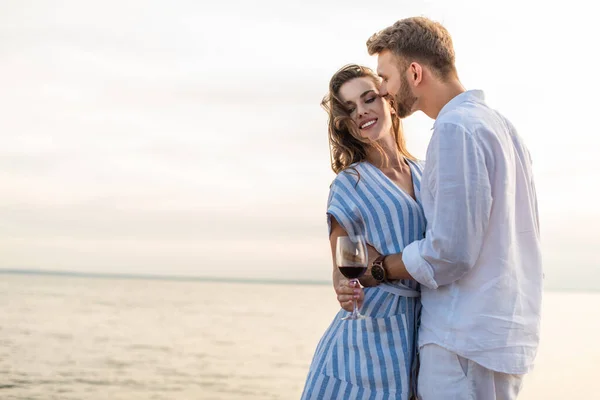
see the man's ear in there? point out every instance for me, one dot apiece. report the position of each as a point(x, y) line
point(415, 71)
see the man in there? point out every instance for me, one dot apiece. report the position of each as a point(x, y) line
point(479, 264)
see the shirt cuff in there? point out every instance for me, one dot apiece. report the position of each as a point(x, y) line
point(417, 267)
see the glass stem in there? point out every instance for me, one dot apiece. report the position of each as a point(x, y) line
point(355, 309)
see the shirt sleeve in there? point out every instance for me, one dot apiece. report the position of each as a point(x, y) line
point(457, 220)
point(341, 206)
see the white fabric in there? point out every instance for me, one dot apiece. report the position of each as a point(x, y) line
point(445, 375)
point(480, 262)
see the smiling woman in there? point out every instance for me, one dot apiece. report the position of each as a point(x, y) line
point(357, 118)
point(375, 195)
point(365, 108)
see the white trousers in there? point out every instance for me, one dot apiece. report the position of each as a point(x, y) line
point(444, 375)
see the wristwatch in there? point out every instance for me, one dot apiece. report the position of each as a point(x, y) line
point(378, 270)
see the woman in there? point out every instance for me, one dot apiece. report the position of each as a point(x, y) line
point(375, 193)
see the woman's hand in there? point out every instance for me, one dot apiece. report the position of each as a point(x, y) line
point(347, 291)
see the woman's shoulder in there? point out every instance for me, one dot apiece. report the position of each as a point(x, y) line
point(351, 174)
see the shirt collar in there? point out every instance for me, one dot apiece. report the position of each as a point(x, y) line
point(469, 95)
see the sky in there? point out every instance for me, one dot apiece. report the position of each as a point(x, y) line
point(186, 138)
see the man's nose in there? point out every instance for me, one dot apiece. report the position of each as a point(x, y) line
point(383, 90)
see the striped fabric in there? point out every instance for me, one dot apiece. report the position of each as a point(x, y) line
point(372, 358)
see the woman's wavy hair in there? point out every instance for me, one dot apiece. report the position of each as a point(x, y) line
point(346, 145)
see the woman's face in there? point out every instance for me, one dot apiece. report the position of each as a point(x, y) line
point(371, 113)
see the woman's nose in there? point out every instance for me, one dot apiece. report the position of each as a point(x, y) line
point(362, 111)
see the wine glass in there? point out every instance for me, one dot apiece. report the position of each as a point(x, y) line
point(351, 259)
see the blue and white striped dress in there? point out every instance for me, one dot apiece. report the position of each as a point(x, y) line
point(372, 358)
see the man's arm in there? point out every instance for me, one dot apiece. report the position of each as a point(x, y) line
point(458, 219)
point(393, 264)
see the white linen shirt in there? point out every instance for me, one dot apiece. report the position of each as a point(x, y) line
point(480, 262)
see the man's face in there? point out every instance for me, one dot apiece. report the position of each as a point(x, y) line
point(395, 83)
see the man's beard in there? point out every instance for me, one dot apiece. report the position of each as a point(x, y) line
point(404, 100)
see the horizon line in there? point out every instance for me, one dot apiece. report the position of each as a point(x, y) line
point(180, 278)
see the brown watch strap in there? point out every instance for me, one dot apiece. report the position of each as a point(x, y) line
point(379, 260)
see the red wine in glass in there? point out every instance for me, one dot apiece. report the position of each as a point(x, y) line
point(352, 271)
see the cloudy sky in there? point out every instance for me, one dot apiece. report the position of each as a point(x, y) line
point(186, 137)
